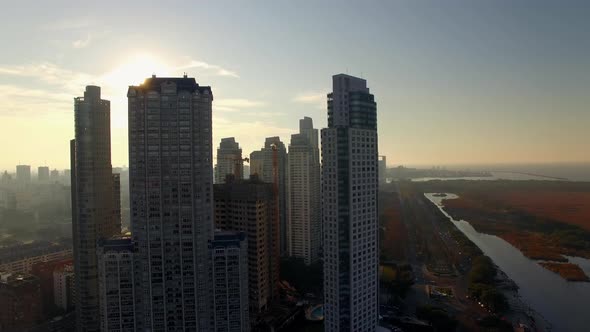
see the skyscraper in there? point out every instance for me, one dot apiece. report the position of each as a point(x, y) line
point(229, 264)
point(43, 174)
point(229, 160)
point(92, 199)
point(303, 199)
point(23, 174)
point(171, 198)
point(54, 176)
point(349, 207)
point(262, 163)
point(249, 206)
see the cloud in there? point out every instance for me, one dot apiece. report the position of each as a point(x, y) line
point(315, 98)
point(75, 23)
point(19, 101)
point(65, 80)
point(220, 71)
point(237, 103)
point(82, 43)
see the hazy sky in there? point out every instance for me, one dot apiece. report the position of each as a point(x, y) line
point(455, 81)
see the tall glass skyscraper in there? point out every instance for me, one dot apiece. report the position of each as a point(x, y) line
point(171, 193)
point(94, 206)
point(349, 207)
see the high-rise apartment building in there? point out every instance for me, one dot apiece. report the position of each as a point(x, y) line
point(64, 284)
point(249, 206)
point(92, 199)
point(171, 199)
point(256, 163)
point(43, 174)
point(23, 174)
point(54, 175)
point(303, 199)
point(116, 285)
point(229, 266)
point(349, 207)
point(270, 164)
point(229, 160)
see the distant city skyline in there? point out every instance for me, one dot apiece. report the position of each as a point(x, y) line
point(457, 83)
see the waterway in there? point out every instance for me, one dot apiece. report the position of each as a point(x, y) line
point(494, 176)
point(566, 305)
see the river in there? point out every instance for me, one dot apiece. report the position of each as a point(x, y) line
point(566, 305)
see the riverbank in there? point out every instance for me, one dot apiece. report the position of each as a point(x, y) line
point(550, 301)
point(569, 271)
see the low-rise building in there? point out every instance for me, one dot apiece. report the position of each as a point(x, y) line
point(21, 258)
point(20, 302)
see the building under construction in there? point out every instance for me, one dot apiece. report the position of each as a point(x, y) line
point(250, 206)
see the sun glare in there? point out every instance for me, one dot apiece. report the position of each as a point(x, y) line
point(135, 70)
point(132, 71)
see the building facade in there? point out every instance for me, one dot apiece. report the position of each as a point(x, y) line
point(171, 199)
point(116, 285)
point(229, 160)
point(64, 285)
point(93, 215)
point(303, 199)
point(229, 265)
point(250, 206)
point(349, 207)
point(20, 302)
point(270, 164)
point(21, 258)
point(23, 174)
point(43, 174)
point(382, 169)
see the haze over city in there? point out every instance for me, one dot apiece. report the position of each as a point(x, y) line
point(295, 166)
point(456, 82)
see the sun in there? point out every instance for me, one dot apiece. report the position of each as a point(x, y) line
point(132, 71)
point(136, 69)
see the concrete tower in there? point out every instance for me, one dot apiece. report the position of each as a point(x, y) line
point(303, 199)
point(171, 198)
point(93, 213)
point(349, 207)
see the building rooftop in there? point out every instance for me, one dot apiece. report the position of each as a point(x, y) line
point(182, 84)
point(117, 244)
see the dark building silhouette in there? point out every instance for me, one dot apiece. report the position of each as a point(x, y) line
point(262, 163)
point(171, 198)
point(250, 206)
point(229, 267)
point(93, 210)
point(20, 302)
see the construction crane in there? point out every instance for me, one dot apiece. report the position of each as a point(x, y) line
point(237, 162)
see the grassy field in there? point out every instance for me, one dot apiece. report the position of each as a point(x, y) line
point(545, 220)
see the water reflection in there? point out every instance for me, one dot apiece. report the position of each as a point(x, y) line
point(564, 304)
